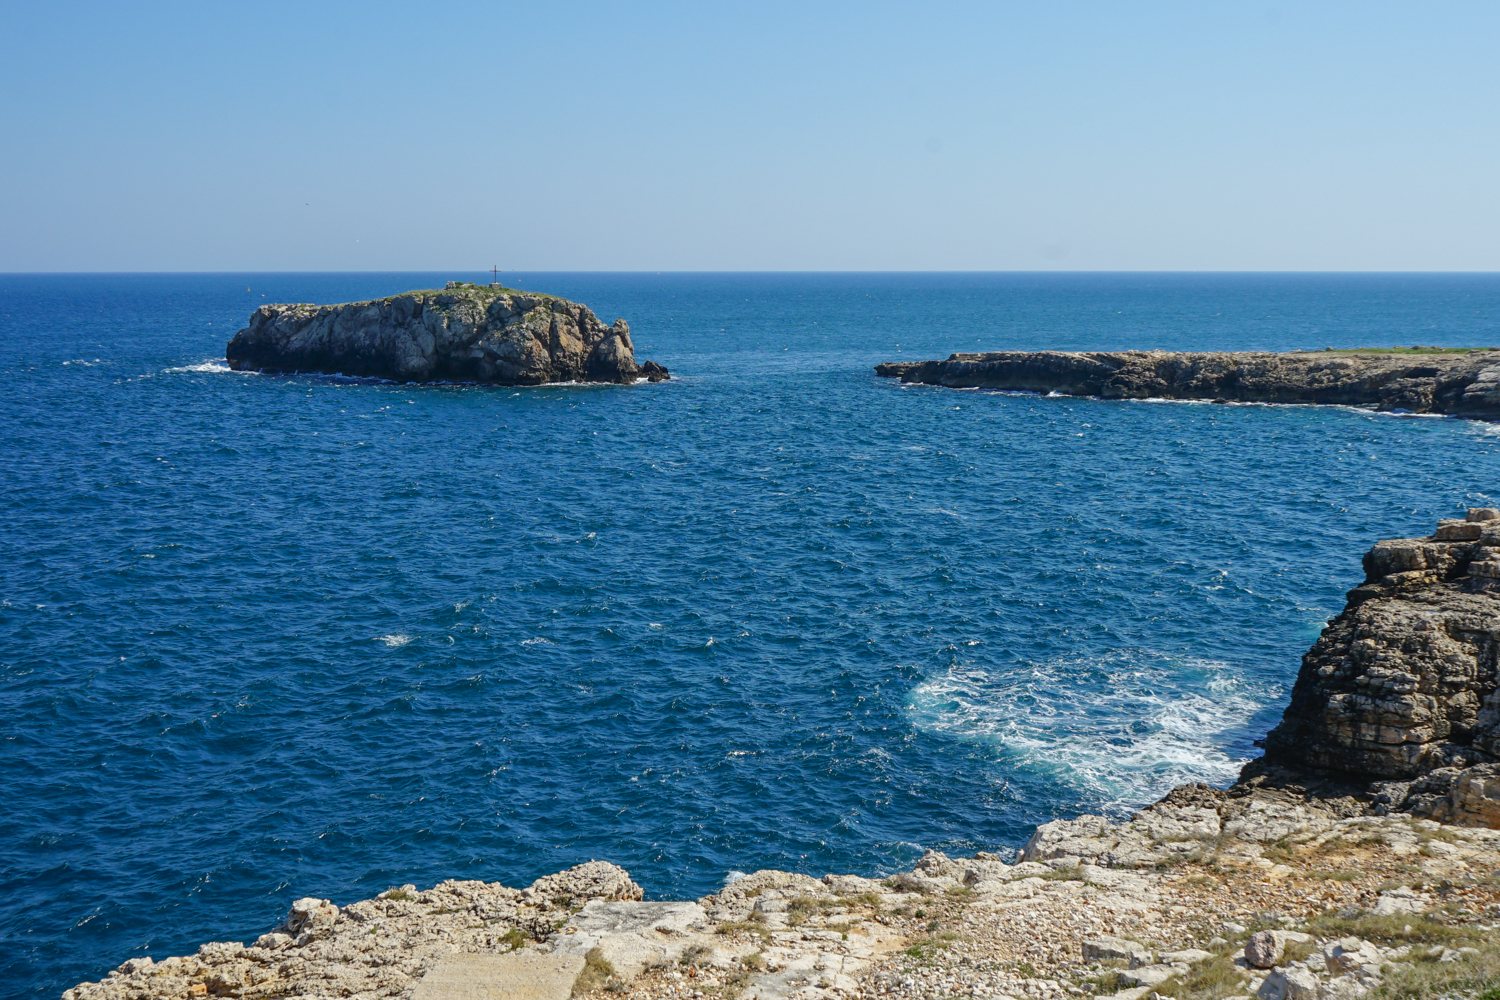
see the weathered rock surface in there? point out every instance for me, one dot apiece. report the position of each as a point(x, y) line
point(464, 333)
point(1466, 385)
point(631, 936)
point(976, 927)
point(1403, 687)
point(375, 947)
point(523, 975)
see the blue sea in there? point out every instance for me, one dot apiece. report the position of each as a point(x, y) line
point(264, 637)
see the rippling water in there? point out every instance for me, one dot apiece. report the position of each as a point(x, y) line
point(266, 637)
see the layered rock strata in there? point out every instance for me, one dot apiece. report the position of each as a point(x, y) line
point(464, 333)
point(1403, 687)
point(1466, 385)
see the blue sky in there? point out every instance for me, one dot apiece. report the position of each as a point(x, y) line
point(763, 136)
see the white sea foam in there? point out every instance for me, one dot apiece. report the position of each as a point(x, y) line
point(1121, 729)
point(395, 640)
point(538, 641)
point(213, 366)
point(1346, 408)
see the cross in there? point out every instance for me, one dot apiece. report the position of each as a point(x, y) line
point(495, 274)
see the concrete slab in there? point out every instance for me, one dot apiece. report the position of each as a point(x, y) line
point(519, 975)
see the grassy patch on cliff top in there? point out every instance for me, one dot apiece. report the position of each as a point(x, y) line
point(1473, 975)
point(1413, 349)
point(471, 289)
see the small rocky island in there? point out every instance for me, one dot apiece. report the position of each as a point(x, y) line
point(1360, 857)
point(463, 333)
point(1462, 383)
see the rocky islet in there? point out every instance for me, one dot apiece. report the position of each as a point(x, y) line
point(1464, 384)
point(463, 333)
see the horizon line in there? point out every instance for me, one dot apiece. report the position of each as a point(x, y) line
point(767, 271)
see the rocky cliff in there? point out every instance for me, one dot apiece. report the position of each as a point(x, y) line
point(464, 333)
point(1403, 687)
point(1462, 384)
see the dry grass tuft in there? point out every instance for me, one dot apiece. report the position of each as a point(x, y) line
point(597, 974)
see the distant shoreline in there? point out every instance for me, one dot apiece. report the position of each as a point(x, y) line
point(1460, 382)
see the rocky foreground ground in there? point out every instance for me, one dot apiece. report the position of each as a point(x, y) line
point(1323, 874)
point(1462, 384)
point(1282, 900)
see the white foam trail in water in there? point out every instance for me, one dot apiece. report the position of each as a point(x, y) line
point(1122, 728)
point(210, 366)
point(394, 640)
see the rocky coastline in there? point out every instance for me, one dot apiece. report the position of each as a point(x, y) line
point(1359, 857)
point(463, 333)
point(1458, 384)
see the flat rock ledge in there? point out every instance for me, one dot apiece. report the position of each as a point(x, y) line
point(463, 333)
point(1460, 384)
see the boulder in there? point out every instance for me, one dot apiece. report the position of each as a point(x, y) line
point(985, 871)
point(1352, 955)
point(1291, 983)
point(1399, 900)
point(853, 885)
point(1116, 949)
point(591, 880)
point(1152, 975)
point(1086, 836)
point(1264, 949)
point(311, 915)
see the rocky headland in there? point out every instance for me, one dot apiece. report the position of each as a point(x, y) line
point(1359, 857)
point(463, 333)
point(1463, 384)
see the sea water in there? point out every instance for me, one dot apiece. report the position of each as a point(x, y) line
point(264, 637)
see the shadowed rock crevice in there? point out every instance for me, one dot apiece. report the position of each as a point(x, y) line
point(464, 333)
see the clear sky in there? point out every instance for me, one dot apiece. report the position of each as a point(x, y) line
point(1202, 135)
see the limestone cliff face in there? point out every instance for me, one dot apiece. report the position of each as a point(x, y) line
point(1460, 384)
point(1405, 684)
point(464, 333)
